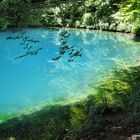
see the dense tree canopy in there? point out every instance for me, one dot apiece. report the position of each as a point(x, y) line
point(130, 13)
point(14, 12)
point(96, 14)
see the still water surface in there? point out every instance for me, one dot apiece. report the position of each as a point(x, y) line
point(41, 66)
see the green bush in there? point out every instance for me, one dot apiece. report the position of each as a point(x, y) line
point(136, 31)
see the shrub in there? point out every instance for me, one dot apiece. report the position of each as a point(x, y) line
point(136, 31)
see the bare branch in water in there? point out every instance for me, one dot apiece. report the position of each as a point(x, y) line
point(27, 43)
point(64, 48)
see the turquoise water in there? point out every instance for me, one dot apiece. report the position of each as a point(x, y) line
point(36, 70)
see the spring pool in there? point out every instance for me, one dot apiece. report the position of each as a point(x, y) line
point(43, 66)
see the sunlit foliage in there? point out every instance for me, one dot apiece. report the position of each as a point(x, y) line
point(130, 13)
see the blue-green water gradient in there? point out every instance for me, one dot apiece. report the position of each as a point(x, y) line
point(31, 82)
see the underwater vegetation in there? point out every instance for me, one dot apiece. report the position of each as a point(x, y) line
point(112, 113)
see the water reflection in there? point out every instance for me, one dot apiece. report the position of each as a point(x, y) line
point(30, 82)
point(65, 48)
point(27, 42)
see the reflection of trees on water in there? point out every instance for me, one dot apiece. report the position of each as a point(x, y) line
point(28, 44)
point(95, 45)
